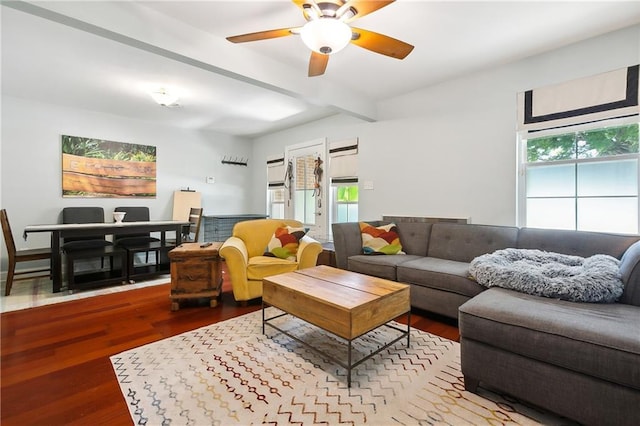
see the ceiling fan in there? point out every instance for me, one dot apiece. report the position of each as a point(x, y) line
point(327, 31)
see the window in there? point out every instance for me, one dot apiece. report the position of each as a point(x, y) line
point(276, 197)
point(344, 197)
point(585, 179)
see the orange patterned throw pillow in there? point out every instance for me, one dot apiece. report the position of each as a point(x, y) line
point(284, 243)
point(381, 239)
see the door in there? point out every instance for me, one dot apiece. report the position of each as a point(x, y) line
point(307, 194)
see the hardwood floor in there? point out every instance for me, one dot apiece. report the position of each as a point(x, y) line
point(55, 367)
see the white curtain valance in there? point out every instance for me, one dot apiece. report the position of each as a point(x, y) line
point(613, 94)
point(275, 170)
point(343, 158)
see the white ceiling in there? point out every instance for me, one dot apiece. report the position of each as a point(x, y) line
point(107, 56)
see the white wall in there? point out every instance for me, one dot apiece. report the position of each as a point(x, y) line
point(450, 150)
point(31, 180)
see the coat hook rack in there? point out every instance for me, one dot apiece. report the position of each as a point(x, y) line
point(235, 161)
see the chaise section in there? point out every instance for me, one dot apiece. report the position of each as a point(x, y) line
point(554, 353)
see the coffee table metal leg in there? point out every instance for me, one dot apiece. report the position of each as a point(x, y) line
point(349, 365)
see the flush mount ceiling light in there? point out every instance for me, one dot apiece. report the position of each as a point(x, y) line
point(326, 35)
point(163, 97)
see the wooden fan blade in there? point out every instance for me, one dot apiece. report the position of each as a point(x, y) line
point(363, 7)
point(380, 43)
point(262, 35)
point(317, 64)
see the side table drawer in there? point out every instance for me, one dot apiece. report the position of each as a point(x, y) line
point(194, 275)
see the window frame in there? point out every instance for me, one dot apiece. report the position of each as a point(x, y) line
point(335, 184)
point(523, 165)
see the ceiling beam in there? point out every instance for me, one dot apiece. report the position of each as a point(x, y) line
point(136, 26)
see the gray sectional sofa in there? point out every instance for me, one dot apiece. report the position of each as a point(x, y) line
point(580, 360)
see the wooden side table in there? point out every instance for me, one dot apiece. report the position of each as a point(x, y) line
point(195, 273)
point(328, 255)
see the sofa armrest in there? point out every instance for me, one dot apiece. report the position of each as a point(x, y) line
point(308, 252)
point(347, 241)
point(630, 271)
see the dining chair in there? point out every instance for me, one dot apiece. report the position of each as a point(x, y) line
point(84, 215)
point(91, 248)
point(26, 255)
point(195, 219)
point(141, 243)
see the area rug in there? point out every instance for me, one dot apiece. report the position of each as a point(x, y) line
point(230, 373)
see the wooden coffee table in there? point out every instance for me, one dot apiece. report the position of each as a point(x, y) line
point(344, 303)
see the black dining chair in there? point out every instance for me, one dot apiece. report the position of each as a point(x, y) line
point(90, 248)
point(27, 255)
point(139, 243)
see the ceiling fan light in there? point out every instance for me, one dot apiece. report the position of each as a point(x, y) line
point(326, 35)
point(163, 97)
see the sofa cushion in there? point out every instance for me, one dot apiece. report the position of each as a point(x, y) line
point(465, 242)
point(265, 266)
point(441, 274)
point(382, 239)
point(414, 237)
point(599, 340)
point(576, 243)
point(379, 266)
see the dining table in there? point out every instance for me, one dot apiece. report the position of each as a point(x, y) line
point(60, 231)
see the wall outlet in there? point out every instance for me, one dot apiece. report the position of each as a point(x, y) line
point(211, 179)
point(368, 184)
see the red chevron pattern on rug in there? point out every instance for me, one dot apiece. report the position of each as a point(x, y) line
point(229, 373)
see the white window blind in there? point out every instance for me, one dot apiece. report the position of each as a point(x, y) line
point(343, 159)
point(275, 171)
point(603, 96)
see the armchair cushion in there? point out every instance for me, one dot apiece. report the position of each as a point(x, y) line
point(260, 267)
point(284, 243)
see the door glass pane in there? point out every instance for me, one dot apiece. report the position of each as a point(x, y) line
point(617, 215)
point(553, 213)
point(551, 181)
point(305, 200)
point(608, 178)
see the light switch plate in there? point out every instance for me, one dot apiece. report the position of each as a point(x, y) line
point(211, 179)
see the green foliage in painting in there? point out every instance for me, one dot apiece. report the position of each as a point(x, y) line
point(97, 148)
